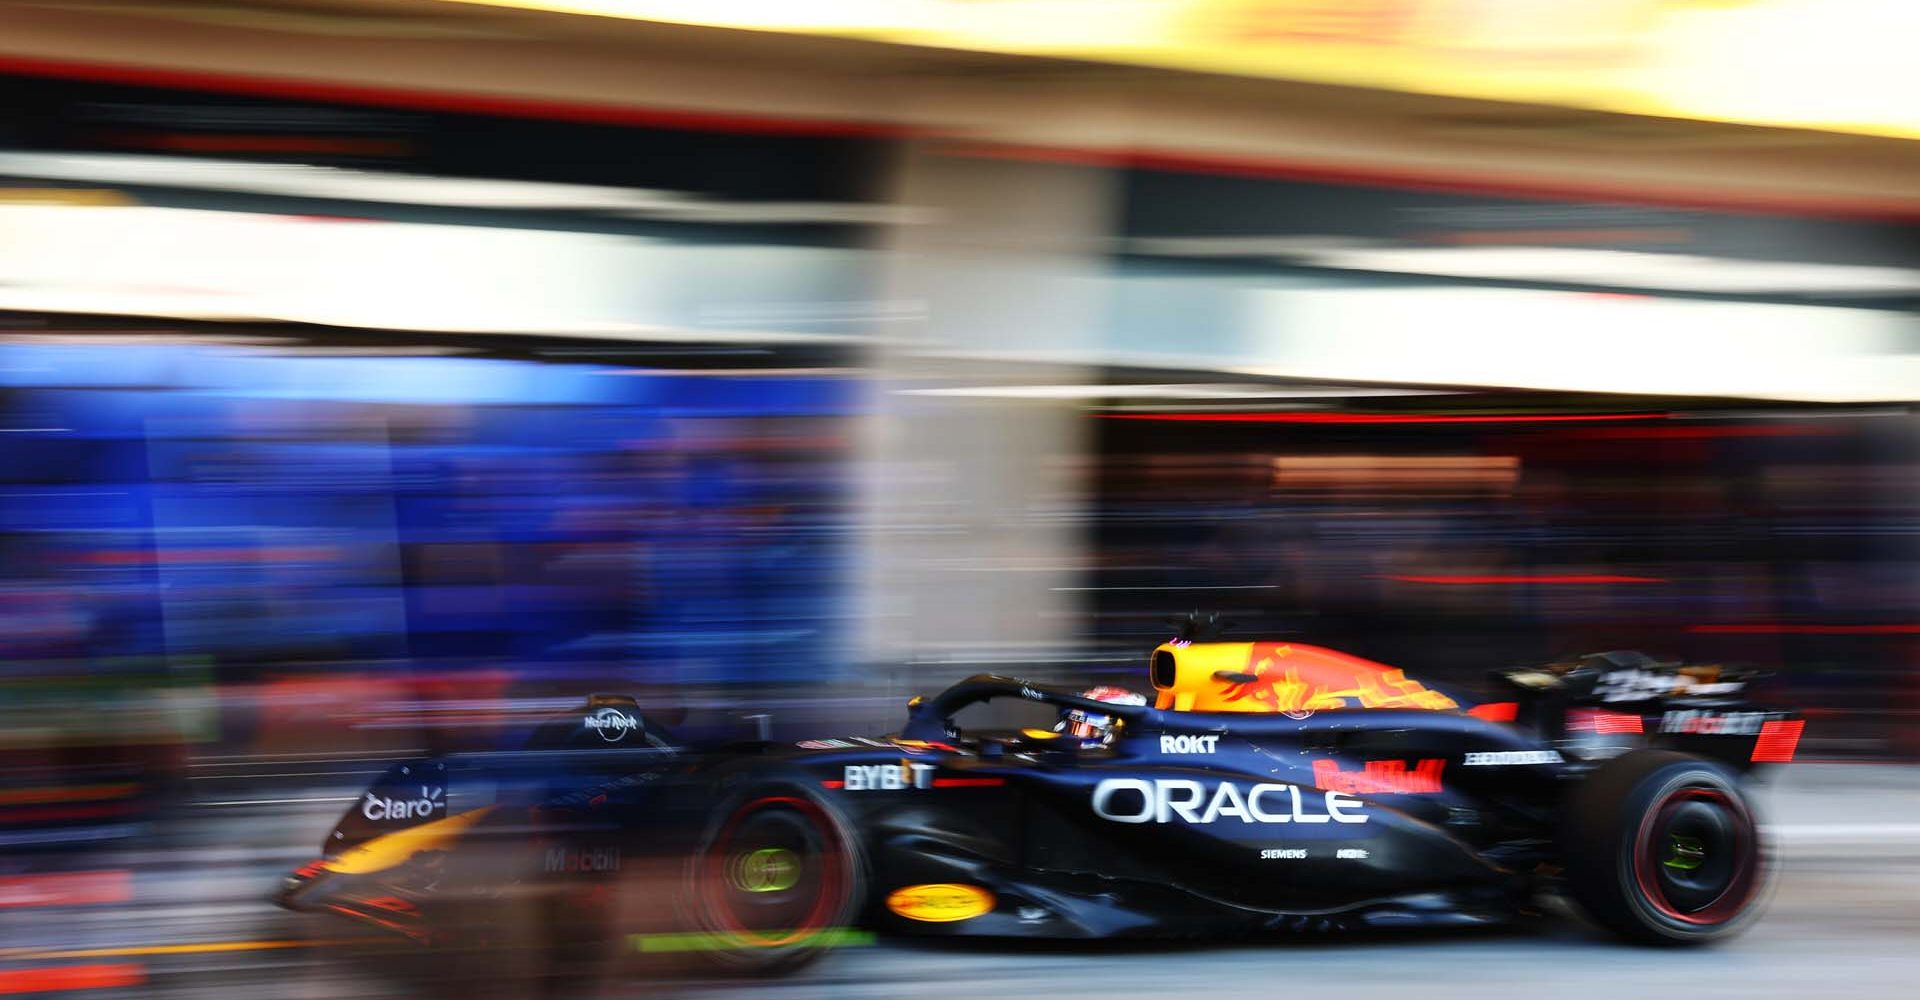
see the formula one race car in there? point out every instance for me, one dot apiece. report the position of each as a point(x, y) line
point(1271, 786)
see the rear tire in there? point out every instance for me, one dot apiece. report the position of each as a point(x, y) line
point(1664, 848)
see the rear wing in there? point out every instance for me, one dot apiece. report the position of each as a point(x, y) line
point(1626, 698)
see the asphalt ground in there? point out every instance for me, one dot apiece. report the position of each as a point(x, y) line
point(184, 914)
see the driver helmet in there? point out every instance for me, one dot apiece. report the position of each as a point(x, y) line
point(1093, 729)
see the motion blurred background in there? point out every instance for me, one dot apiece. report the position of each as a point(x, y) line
point(382, 375)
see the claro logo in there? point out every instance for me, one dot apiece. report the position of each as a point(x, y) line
point(379, 808)
point(1137, 800)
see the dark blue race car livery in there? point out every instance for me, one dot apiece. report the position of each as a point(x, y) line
point(1267, 787)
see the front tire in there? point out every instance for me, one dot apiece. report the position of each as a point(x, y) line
point(1664, 848)
point(776, 881)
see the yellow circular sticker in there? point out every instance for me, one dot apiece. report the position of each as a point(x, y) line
point(938, 904)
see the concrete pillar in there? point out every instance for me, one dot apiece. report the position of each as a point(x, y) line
point(972, 533)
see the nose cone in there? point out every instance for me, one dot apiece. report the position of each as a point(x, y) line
point(364, 898)
point(293, 889)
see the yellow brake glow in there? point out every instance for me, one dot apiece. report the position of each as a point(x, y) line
point(382, 853)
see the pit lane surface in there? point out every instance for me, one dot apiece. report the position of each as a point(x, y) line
point(1845, 919)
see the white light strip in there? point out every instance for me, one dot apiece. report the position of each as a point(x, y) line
point(1626, 269)
point(296, 180)
point(199, 264)
point(305, 181)
point(1554, 265)
point(1585, 343)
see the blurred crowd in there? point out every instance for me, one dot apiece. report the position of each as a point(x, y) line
point(1780, 540)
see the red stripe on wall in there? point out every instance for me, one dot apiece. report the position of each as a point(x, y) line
point(66, 889)
point(1768, 629)
point(1499, 579)
point(1408, 178)
point(54, 978)
point(1452, 182)
point(438, 100)
point(1382, 418)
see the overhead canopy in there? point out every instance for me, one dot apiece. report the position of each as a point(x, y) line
point(1843, 65)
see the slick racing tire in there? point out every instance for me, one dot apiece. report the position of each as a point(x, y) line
point(776, 880)
point(1664, 848)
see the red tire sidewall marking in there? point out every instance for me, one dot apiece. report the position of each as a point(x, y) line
point(831, 888)
point(1741, 884)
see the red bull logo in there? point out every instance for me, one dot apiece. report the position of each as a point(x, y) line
point(1380, 777)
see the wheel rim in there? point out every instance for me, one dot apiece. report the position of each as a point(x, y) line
point(775, 874)
point(1695, 857)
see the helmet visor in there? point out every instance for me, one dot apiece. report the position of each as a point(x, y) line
point(1087, 726)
